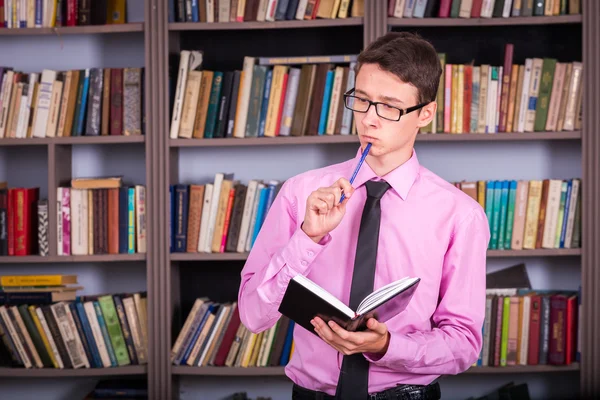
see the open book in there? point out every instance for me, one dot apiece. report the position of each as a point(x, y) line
point(303, 300)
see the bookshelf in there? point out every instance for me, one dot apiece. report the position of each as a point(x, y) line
point(169, 278)
point(51, 162)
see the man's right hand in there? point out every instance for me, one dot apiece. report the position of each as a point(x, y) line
point(323, 209)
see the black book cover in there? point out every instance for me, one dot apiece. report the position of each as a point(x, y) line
point(301, 304)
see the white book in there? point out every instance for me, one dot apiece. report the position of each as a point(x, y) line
point(208, 191)
point(184, 62)
point(43, 103)
point(248, 205)
point(244, 98)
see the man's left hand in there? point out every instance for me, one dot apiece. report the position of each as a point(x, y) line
point(374, 340)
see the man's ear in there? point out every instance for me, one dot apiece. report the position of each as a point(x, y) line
point(427, 114)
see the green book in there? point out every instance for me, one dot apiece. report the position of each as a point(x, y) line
point(114, 329)
point(510, 213)
point(543, 102)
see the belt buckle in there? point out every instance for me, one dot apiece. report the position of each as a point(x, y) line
point(373, 396)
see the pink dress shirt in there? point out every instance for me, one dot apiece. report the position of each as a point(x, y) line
point(429, 229)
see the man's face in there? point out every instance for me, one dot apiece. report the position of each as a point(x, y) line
point(388, 137)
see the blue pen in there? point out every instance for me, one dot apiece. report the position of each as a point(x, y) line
point(362, 158)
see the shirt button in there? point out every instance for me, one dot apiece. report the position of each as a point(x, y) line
point(310, 253)
point(304, 263)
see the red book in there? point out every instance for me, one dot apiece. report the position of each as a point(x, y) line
point(558, 328)
point(571, 331)
point(533, 356)
point(25, 220)
point(281, 103)
point(11, 222)
point(445, 6)
point(506, 76)
point(476, 8)
point(116, 101)
point(228, 338)
point(467, 98)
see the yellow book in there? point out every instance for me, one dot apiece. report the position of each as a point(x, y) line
point(533, 210)
point(37, 280)
point(116, 12)
point(42, 333)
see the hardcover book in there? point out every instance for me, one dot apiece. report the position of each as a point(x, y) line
point(304, 300)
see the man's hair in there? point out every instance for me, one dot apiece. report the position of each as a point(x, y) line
point(408, 56)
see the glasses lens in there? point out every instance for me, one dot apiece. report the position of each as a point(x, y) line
point(388, 112)
point(356, 104)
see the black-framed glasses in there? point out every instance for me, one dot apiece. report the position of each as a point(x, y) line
point(384, 110)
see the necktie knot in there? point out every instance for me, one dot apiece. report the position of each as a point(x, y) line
point(376, 189)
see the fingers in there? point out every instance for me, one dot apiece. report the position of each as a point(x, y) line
point(376, 326)
point(345, 186)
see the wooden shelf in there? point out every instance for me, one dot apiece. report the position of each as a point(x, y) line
point(332, 139)
point(228, 371)
point(490, 253)
point(114, 139)
point(208, 256)
point(74, 30)
point(117, 139)
point(523, 369)
point(72, 259)
point(445, 22)
point(291, 24)
point(534, 253)
point(71, 373)
point(280, 371)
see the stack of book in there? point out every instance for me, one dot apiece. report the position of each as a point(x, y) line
point(213, 335)
point(530, 214)
point(43, 324)
point(223, 216)
point(269, 96)
point(101, 216)
point(262, 10)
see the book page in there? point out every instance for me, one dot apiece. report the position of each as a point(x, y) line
point(324, 294)
point(384, 293)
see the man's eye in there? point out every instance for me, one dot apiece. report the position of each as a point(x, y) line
point(362, 101)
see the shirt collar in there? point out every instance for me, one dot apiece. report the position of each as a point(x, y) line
point(400, 179)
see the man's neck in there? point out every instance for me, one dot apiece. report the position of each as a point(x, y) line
point(385, 164)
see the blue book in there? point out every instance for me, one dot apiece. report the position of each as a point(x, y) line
point(84, 96)
point(195, 13)
point(262, 202)
point(287, 347)
point(326, 101)
point(131, 236)
point(563, 230)
point(265, 103)
point(503, 212)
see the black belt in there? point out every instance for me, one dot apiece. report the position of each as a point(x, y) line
point(400, 392)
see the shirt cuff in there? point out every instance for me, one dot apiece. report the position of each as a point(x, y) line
point(301, 251)
point(400, 350)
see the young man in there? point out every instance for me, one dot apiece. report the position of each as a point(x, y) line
point(397, 219)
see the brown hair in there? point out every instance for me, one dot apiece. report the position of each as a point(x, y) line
point(408, 56)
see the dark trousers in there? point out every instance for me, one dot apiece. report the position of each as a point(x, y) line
point(400, 392)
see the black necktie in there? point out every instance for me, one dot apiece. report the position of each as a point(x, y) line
point(354, 376)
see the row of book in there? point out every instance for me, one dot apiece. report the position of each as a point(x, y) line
point(44, 324)
point(90, 102)
point(213, 335)
point(530, 214)
point(223, 216)
point(540, 95)
point(287, 96)
point(93, 216)
point(530, 327)
point(101, 216)
point(49, 14)
point(481, 8)
point(262, 10)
